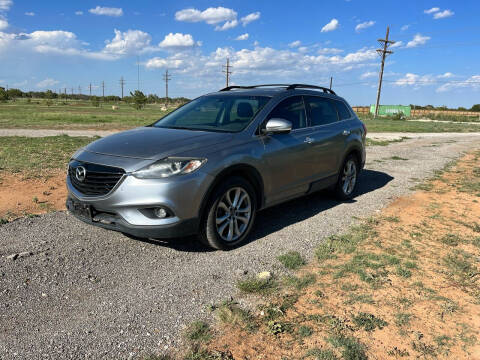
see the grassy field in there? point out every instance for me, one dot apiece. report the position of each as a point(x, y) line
point(75, 115)
point(83, 115)
point(38, 155)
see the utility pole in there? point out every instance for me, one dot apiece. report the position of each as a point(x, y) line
point(167, 77)
point(65, 93)
point(72, 92)
point(79, 89)
point(138, 73)
point(331, 80)
point(90, 89)
point(122, 82)
point(227, 71)
point(383, 53)
point(103, 91)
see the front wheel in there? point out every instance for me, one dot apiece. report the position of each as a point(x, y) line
point(347, 179)
point(231, 213)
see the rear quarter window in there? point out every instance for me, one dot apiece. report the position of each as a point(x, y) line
point(343, 112)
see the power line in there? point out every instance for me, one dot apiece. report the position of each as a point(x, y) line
point(166, 77)
point(383, 52)
point(226, 70)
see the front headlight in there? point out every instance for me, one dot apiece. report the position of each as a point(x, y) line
point(168, 167)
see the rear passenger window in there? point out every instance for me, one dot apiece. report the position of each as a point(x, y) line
point(343, 111)
point(321, 110)
point(291, 109)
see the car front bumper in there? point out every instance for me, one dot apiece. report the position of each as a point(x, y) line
point(123, 209)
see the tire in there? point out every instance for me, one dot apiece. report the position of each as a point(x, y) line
point(347, 178)
point(227, 223)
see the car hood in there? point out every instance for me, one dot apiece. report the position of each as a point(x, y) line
point(154, 143)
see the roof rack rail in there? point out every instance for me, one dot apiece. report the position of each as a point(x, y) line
point(228, 88)
point(287, 86)
point(306, 86)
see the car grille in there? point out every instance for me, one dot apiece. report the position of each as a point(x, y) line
point(99, 179)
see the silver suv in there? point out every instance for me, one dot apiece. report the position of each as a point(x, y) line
point(209, 166)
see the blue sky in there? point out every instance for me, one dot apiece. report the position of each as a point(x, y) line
point(67, 44)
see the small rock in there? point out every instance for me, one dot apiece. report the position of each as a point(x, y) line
point(44, 295)
point(25, 254)
point(12, 257)
point(240, 272)
point(264, 275)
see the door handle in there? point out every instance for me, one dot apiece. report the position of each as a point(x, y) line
point(346, 132)
point(308, 140)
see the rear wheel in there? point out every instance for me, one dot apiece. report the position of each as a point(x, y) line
point(230, 214)
point(347, 179)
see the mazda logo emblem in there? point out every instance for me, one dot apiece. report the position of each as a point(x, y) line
point(80, 173)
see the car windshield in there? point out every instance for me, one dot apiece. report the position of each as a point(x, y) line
point(225, 113)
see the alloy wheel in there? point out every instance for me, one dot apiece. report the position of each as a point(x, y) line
point(233, 214)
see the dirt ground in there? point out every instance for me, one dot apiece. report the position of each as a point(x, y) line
point(409, 289)
point(24, 196)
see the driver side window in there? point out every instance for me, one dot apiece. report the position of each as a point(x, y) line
point(291, 109)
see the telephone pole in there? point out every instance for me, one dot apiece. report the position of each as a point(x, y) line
point(65, 93)
point(227, 71)
point(167, 77)
point(383, 53)
point(79, 89)
point(90, 89)
point(331, 80)
point(103, 91)
point(122, 83)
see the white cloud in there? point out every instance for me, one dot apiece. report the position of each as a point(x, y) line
point(332, 25)
point(177, 40)
point(368, 74)
point(5, 5)
point(242, 37)
point(250, 18)
point(418, 40)
point(295, 44)
point(405, 27)
point(364, 25)
point(445, 76)
point(3, 24)
point(79, 12)
point(30, 13)
point(107, 11)
point(228, 25)
point(47, 83)
point(128, 42)
point(415, 80)
point(472, 83)
point(256, 43)
point(443, 14)
point(396, 44)
point(325, 51)
point(432, 10)
point(156, 63)
point(210, 16)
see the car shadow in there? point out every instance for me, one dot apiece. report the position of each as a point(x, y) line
point(280, 216)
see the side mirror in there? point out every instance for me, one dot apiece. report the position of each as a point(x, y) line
point(277, 126)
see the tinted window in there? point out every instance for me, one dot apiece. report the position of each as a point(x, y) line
point(215, 113)
point(291, 109)
point(343, 111)
point(321, 110)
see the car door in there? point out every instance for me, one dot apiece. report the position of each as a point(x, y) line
point(288, 168)
point(327, 136)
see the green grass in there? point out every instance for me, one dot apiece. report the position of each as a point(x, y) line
point(198, 332)
point(253, 285)
point(305, 331)
point(368, 322)
point(376, 142)
point(31, 155)
point(320, 354)
point(402, 319)
point(388, 125)
point(230, 313)
point(75, 115)
point(352, 349)
point(291, 260)
point(300, 282)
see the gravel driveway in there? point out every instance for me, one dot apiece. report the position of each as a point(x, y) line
point(76, 291)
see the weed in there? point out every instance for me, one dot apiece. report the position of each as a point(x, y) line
point(230, 313)
point(258, 286)
point(402, 319)
point(321, 354)
point(443, 340)
point(3, 221)
point(394, 219)
point(198, 332)
point(369, 322)
point(403, 272)
point(352, 349)
point(349, 287)
point(398, 352)
point(305, 331)
point(359, 298)
point(423, 348)
point(302, 282)
point(460, 268)
point(345, 244)
point(291, 260)
point(278, 327)
point(395, 157)
point(35, 200)
point(451, 239)
point(410, 265)
point(405, 302)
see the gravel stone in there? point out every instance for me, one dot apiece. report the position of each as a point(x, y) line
point(121, 298)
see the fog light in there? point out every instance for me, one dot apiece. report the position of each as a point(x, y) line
point(160, 212)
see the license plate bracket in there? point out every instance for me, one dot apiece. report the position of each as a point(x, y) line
point(80, 209)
